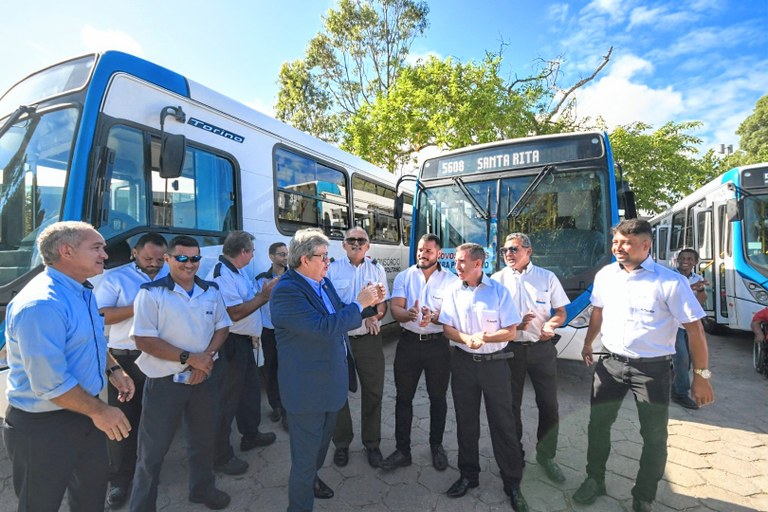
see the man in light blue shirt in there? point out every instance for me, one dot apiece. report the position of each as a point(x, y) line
point(58, 362)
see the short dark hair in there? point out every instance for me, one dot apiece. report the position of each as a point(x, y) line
point(688, 249)
point(275, 246)
point(150, 238)
point(476, 251)
point(634, 227)
point(237, 242)
point(431, 237)
point(182, 240)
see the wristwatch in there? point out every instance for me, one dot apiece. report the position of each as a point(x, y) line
point(183, 357)
point(704, 373)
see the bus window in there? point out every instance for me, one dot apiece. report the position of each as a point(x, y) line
point(374, 210)
point(677, 241)
point(704, 234)
point(202, 198)
point(407, 219)
point(662, 243)
point(310, 194)
point(689, 229)
point(125, 199)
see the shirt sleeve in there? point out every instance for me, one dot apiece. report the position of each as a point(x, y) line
point(682, 302)
point(42, 347)
point(228, 289)
point(596, 298)
point(222, 317)
point(448, 313)
point(398, 287)
point(107, 292)
point(558, 297)
point(145, 315)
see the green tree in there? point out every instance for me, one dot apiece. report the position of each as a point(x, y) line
point(661, 166)
point(354, 60)
point(754, 138)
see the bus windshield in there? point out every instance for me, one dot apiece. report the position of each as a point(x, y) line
point(34, 158)
point(566, 217)
point(756, 231)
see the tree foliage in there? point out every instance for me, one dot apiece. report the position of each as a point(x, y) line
point(354, 60)
point(661, 166)
point(754, 138)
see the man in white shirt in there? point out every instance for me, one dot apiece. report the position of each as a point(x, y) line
point(417, 297)
point(479, 316)
point(349, 276)
point(180, 323)
point(638, 306)
point(541, 300)
point(115, 295)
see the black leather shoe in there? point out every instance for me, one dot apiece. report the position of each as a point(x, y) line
point(460, 487)
point(551, 469)
point(117, 496)
point(588, 492)
point(260, 439)
point(685, 401)
point(641, 506)
point(214, 500)
point(275, 415)
point(322, 491)
point(233, 466)
point(375, 458)
point(517, 501)
point(396, 459)
point(439, 458)
point(341, 457)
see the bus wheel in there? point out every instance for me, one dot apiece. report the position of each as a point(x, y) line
point(711, 326)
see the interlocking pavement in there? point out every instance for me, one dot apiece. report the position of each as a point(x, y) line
point(718, 455)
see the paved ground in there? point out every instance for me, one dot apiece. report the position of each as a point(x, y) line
point(718, 456)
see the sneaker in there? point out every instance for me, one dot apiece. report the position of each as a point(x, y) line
point(685, 401)
point(260, 439)
point(588, 492)
point(214, 500)
point(233, 466)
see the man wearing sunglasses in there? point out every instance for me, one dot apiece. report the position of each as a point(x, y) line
point(350, 275)
point(180, 323)
point(236, 369)
point(541, 300)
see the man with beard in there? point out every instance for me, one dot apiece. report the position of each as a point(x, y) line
point(115, 295)
point(417, 297)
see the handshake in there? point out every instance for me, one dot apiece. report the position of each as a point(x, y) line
point(371, 294)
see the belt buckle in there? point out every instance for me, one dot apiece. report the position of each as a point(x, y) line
point(423, 337)
point(477, 358)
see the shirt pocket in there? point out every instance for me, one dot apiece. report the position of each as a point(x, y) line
point(643, 309)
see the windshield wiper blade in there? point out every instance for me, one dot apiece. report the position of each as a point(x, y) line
point(23, 109)
point(478, 207)
point(517, 209)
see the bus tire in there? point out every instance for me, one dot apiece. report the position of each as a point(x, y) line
point(711, 326)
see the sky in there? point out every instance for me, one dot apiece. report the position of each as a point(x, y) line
point(672, 60)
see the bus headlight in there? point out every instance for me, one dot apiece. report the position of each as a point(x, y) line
point(757, 291)
point(582, 319)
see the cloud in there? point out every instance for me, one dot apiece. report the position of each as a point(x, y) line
point(97, 40)
point(558, 13)
point(414, 58)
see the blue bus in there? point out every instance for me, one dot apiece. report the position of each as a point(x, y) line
point(561, 190)
point(726, 221)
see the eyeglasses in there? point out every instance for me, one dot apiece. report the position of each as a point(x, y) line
point(183, 259)
point(514, 249)
point(324, 256)
point(358, 241)
point(281, 254)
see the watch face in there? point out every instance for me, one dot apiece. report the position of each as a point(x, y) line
point(704, 373)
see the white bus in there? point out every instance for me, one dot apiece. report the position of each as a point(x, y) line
point(726, 221)
point(132, 147)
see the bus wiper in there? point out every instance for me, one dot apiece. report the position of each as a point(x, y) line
point(517, 209)
point(485, 215)
point(23, 109)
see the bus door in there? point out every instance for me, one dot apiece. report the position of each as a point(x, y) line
point(722, 263)
point(704, 244)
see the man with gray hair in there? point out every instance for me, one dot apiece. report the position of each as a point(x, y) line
point(316, 367)
point(541, 300)
point(58, 360)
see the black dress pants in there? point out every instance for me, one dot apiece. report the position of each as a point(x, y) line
point(122, 454)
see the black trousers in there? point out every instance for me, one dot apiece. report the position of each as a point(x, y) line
point(237, 376)
point(412, 358)
point(122, 454)
point(539, 362)
point(472, 382)
point(269, 370)
point(650, 383)
point(54, 452)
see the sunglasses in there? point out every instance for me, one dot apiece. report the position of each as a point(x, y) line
point(513, 249)
point(358, 241)
point(183, 259)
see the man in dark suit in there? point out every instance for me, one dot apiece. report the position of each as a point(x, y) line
point(316, 368)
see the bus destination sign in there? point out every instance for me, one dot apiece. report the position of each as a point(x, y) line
point(755, 178)
point(515, 156)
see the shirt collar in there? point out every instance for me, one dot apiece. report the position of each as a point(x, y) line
point(63, 279)
point(231, 266)
point(647, 264)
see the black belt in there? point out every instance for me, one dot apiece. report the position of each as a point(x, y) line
point(625, 359)
point(357, 336)
point(243, 337)
point(494, 356)
point(528, 343)
point(422, 337)
point(124, 352)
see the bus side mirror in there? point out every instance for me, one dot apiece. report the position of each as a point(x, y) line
point(732, 210)
point(398, 211)
point(172, 151)
point(630, 209)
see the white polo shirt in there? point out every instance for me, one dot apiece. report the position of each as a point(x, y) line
point(487, 307)
point(642, 308)
point(411, 285)
point(349, 279)
point(163, 309)
point(236, 287)
point(266, 313)
point(118, 289)
point(534, 290)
